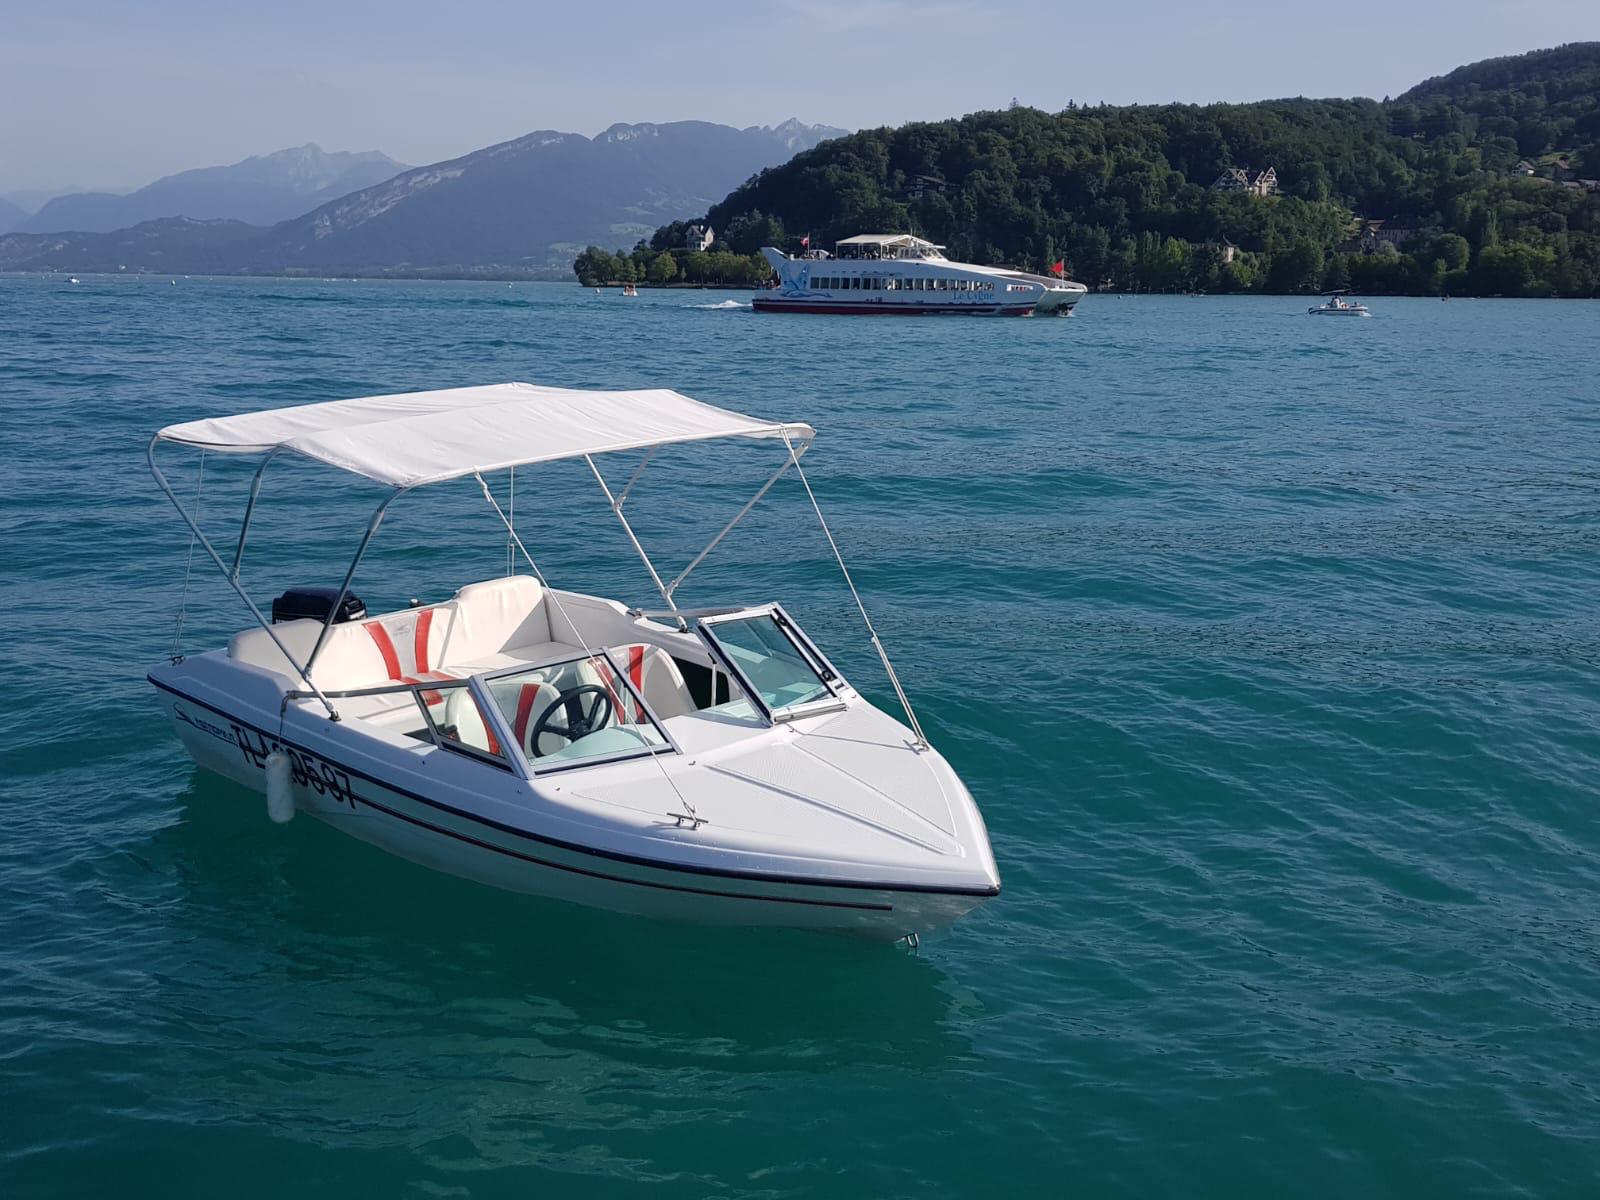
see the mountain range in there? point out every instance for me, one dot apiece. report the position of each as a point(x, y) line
point(525, 206)
point(261, 190)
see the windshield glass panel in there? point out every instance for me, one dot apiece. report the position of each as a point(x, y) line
point(770, 660)
point(570, 711)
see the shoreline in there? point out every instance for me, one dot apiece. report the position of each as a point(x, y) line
point(508, 277)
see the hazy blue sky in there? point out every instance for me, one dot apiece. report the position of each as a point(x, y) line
point(111, 94)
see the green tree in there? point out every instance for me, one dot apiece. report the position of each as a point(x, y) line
point(662, 269)
point(1124, 192)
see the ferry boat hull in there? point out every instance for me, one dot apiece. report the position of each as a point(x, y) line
point(780, 303)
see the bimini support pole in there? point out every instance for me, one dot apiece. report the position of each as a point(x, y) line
point(249, 510)
point(233, 582)
point(877, 644)
point(728, 528)
point(616, 508)
point(622, 497)
point(344, 588)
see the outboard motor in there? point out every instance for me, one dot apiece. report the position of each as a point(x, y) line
point(315, 603)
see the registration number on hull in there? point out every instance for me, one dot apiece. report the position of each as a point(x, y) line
point(306, 769)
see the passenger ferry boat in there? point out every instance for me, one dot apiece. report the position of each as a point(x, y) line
point(896, 274)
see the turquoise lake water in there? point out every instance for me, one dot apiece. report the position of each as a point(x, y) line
point(1267, 644)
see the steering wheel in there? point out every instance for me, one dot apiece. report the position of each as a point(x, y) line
point(587, 707)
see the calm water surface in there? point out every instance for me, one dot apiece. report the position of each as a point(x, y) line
point(1267, 643)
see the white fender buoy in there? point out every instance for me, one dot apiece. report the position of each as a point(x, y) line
point(280, 799)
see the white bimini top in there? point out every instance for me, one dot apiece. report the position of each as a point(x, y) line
point(414, 438)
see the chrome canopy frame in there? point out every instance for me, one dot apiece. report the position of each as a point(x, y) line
point(614, 501)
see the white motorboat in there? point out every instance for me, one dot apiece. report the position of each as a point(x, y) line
point(896, 274)
point(700, 764)
point(1337, 306)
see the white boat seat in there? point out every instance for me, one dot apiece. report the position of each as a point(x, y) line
point(519, 656)
point(528, 704)
point(652, 671)
point(502, 616)
point(498, 623)
point(461, 711)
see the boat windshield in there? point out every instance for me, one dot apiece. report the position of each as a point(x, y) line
point(774, 662)
point(579, 710)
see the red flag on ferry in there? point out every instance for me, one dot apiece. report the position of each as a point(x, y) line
point(1059, 267)
point(805, 242)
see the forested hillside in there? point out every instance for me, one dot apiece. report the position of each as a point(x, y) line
point(1126, 194)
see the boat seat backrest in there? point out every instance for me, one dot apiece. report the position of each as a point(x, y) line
point(652, 671)
point(496, 617)
point(418, 644)
point(411, 646)
point(357, 654)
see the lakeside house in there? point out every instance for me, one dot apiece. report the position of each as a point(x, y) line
point(919, 186)
point(1373, 233)
point(1238, 179)
point(698, 237)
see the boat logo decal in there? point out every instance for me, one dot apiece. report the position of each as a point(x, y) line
point(205, 726)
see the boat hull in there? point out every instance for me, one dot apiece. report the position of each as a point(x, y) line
point(842, 308)
point(399, 819)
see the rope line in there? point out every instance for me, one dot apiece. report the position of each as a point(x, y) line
point(573, 625)
point(877, 643)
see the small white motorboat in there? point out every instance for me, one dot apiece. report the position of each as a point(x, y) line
point(629, 290)
point(1337, 306)
point(700, 764)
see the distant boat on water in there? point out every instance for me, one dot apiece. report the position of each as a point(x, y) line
point(896, 274)
point(1337, 306)
point(629, 290)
